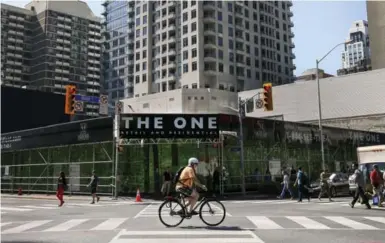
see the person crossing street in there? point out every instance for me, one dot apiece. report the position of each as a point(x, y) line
point(360, 182)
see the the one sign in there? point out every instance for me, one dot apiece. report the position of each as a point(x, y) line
point(89, 99)
point(169, 126)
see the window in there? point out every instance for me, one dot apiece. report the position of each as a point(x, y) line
point(185, 55)
point(220, 30)
point(137, 32)
point(220, 67)
point(230, 7)
point(193, 14)
point(230, 19)
point(185, 42)
point(145, 31)
point(185, 17)
point(185, 29)
point(220, 54)
point(145, 19)
point(144, 66)
point(137, 21)
point(144, 78)
point(220, 16)
point(193, 40)
point(194, 52)
point(185, 68)
point(194, 26)
point(220, 41)
point(194, 66)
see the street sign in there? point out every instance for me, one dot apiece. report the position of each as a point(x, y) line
point(89, 99)
point(118, 107)
point(259, 103)
point(79, 106)
point(103, 106)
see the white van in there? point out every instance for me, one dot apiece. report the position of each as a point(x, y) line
point(367, 157)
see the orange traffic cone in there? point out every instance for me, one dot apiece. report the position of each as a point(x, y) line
point(138, 198)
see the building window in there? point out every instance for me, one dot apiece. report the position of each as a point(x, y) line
point(185, 68)
point(193, 14)
point(194, 52)
point(194, 26)
point(194, 66)
point(137, 21)
point(193, 40)
point(220, 16)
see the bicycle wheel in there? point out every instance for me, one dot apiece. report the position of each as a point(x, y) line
point(171, 208)
point(213, 206)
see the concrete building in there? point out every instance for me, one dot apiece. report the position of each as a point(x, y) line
point(357, 51)
point(161, 46)
point(58, 43)
point(355, 101)
point(376, 15)
point(310, 74)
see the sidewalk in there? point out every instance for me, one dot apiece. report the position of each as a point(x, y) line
point(69, 197)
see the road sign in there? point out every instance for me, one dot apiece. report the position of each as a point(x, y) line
point(79, 106)
point(103, 106)
point(259, 103)
point(89, 99)
point(103, 99)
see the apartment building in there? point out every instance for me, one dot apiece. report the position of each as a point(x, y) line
point(158, 46)
point(376, 15)
point(61, 45)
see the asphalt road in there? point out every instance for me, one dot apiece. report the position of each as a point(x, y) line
point(259, 221)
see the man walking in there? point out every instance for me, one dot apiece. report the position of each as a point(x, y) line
point(377, 183)
point(94, 185)
point(324, 185)
point(298, 182)
point(360, 182)
point(285, 183)
point(166, 187)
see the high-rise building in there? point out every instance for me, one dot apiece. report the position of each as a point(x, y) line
point(357, 51)
point(157, 46)
point(51, 44)
point(376, 15)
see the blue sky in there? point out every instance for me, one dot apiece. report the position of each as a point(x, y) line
point(318, 27)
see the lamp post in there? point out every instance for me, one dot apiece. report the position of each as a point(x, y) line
point(319, 100)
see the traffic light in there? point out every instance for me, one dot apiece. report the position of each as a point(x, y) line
point(70, 100)
point(268, 96)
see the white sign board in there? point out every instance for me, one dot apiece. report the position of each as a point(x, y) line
point(74, 172)
point(275, 168)
point(6, 170)
point(103, 105)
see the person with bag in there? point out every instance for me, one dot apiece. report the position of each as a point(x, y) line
point(360, 182)
point(61, 187)
point(377, 183)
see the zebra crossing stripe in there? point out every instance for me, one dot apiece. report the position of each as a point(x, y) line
point(37, 207)
point(351, 223)
point(307, 223)
point(196, 236)
point(4, 224)
point(376, 219)
point(110, 224)
point(262, 222)
point(16, 209)
point(26, 226)
point(66, 225)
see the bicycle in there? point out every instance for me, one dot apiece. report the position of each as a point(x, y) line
point(180, 201)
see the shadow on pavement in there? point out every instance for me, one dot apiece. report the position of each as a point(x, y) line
point(229, 228)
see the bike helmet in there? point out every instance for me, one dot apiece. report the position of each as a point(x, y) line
point(193, 161)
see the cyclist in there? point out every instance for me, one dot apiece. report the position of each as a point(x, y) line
point(187, 184)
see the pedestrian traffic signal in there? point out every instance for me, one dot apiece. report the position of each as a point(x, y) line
point(268, 96)
point(70, 100)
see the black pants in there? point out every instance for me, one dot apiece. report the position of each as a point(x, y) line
point(360, 192)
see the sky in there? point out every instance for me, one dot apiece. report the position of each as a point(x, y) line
point(318, 27)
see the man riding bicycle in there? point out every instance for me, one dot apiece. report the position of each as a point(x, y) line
point(187, 184)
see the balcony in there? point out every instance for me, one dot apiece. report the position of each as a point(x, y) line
point(293, 67)
point(209, 5)
point(291, 24)
point(105, 3)
point(292, 45)
point(289, 3)
point(291, 35)
point(171, 39)
point(290, 14)
point(292, 56)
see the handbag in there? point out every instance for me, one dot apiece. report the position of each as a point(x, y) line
point(375, 200)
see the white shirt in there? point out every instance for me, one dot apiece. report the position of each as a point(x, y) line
point(286, 180)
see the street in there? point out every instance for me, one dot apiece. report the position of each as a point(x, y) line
point(254, 221)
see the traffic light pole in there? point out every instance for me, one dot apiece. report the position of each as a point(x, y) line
point(116, 136)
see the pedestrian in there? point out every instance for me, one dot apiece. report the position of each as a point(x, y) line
point(61, 186)
point(94, 185)
point(359, 180)
point(298, 181)
point(325, 187)
point(377, 183)
point(166, 182)
point(286, 186)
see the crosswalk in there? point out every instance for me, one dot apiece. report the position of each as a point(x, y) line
point(317, 223)
point(314, 201)
point(252, 223)
point(186, 236)
point(152, 211)
point(29, 208)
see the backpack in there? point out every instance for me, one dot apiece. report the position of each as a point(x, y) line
point(304, 179)
point(177, 175)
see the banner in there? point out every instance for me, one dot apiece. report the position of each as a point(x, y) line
point(85, 131)
point(169, 126)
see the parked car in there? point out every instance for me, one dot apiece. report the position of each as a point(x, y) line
point(338, 182)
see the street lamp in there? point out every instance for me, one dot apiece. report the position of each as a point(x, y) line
point(319, 100)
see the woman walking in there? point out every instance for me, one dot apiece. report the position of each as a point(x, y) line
point(61, 185)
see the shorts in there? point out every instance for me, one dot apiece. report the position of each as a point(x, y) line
point(93, 190)
point(185, 191)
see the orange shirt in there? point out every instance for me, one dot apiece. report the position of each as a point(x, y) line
point(186, 177)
